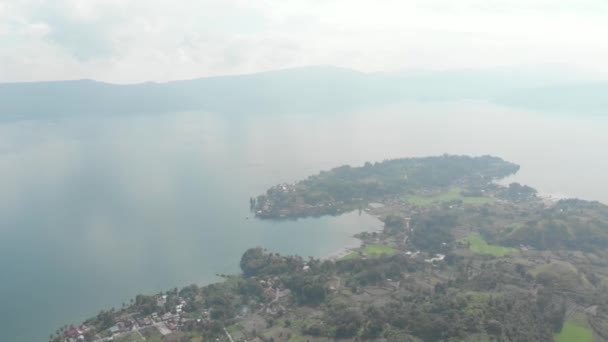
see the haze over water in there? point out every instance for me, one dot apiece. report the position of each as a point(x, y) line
point(96, 210)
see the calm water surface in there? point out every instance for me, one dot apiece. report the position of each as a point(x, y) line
point(96, 210)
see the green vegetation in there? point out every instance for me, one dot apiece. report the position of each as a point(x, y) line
point(372, 250)
point(517, 226)
point(433, 232)
point(158, 339)
point(518, 193)
point(479, 245)
point(131, 337)
point(297, 338)
point(419, 282)
point(574, 332)
point(377, 250)
point(453, 195)
point(347, 188)
point(151, 334)
point(350, 256)
point(569, 224)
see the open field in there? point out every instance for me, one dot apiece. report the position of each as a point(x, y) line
point(453, 195)
point(377, 250)
point(574, 332)
point(480, 246)
point(370, 250)
point(131, 337)
point(353, 255)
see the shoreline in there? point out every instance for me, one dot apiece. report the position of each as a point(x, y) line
point(346, 250)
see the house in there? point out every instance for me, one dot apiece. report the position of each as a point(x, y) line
point(170, 317)
point(121, 326)
point(146, 321)
point(74, 332)
point(269, 292)
point(114, 329)
point(334, 283)
point(161, 300)
point(438, 257)
point(283, 293)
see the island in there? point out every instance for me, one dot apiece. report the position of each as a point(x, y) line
point(461, 257)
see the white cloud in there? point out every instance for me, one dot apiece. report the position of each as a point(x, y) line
point(37, 30)
point(140, 40)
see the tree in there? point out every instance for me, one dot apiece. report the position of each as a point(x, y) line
point(432, 230)
point(394, 224)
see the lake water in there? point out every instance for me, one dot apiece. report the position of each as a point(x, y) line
point(96, 210)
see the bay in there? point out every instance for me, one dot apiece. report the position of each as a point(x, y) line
point(95, 210)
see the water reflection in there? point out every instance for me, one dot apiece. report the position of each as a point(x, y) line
point(96, 210)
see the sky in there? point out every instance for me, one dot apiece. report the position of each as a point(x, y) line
point(127, 41)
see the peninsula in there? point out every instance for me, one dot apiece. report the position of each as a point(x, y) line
point(460, 259)
point(348, 188)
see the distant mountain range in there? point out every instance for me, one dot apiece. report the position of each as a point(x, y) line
point(589, 98)
point(301, 90)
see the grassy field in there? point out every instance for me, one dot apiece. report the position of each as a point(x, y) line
point(154, 339)
point(574, 332)
point(131, 337)
point(353, 255)
point(371, 250)
point(479, 245)
point(560, 268)
point(452, 195)
point(297, 338)
point(517, 226)
point(236, 331)
point(377, 250)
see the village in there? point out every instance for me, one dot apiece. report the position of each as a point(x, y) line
point(136, 323)
point(130, 326)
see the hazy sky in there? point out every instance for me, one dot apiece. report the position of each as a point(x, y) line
point(141, 40)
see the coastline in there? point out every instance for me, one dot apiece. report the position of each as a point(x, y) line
point(356, 242)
